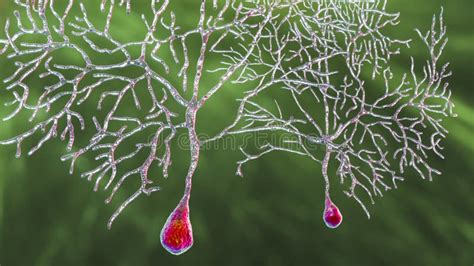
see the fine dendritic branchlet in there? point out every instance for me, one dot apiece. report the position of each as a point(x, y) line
point(330, 60)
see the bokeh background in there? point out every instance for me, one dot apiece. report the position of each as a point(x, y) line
point(272, 216)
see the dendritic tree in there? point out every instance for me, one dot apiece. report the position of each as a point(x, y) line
point(318, 56)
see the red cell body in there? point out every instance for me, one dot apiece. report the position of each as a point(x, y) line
point(332, 216)
point(177, 233)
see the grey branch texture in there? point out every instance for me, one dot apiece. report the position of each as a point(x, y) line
point(318, 56)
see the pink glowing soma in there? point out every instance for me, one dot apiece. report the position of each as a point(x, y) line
point(177, 233)
point(332, 216)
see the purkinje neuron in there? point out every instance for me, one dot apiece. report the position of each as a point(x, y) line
point(319, 56)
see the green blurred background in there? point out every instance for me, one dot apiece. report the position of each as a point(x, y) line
point(270, 217)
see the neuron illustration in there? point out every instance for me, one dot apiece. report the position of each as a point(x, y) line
point(318, 57)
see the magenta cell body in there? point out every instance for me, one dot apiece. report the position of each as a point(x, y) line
point(177, 233)
point(332, 216)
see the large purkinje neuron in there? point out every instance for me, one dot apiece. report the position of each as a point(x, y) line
point(319, 56)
